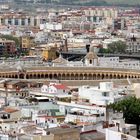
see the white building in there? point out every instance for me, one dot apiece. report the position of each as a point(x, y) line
point(102, 95)
point(51, 26)
point(133, 44)
point(55, 88)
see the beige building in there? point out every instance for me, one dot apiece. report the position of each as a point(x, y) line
point(101, 12)
point(21, 19)
point(55, 134)
point(27, 42)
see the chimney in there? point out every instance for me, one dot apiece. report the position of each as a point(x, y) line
point(65, 49)
point(87, 47)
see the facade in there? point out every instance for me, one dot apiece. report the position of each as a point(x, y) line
point(27, 43)
point(7, 47)
point(21, 19)
point(119, 24)
point(55, 88)
point(104, 94)
point(133, 45)
point(9, 114)
point(49, 53)
point(94, 12)
point(91, 59)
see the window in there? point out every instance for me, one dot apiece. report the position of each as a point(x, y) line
point(105, 94)
point(90, 61)
point(22, 21)
point(16, 22)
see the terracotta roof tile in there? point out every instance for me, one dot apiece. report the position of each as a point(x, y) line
point(10, 110)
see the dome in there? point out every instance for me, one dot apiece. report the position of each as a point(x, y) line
point(91, 55)
point(60, 60)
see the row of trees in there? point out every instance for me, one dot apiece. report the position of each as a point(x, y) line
point(115, 47)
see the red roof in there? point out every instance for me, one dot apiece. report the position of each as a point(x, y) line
point(60, 86)
point(10, 110)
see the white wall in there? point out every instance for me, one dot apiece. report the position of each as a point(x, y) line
point(106, 85)
point(102, 60)
point(44, 89)
point(87, 91)
point(112, 135)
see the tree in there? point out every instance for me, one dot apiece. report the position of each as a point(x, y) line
point(10, 37)
point(130, 108)
point(117, 47)
point(103, 50)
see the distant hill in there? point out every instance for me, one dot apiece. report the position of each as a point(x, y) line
point(123, 2)
point(87, 2)
point(100, 2)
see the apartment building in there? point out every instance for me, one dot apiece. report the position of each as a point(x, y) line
point(7, 47)
point(99, 12)
point(133, 44)
point(21, 19)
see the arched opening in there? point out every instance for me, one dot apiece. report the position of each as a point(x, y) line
point(63, 77)
point(38, 76)
point(103, 76)
point(27, 76)
point(122, 77)
point(16, 76)
point(90, 61)
point(76, 76)
point(110, 76)
point(50, 76)
point(55, 76)
point(90, 77)
point(72, 76)
point(21, 76)
point(106, 76)
point(118, 77)
point(42, 76)
point(59, 77)
point(13, 76)
point(115, 76)
point(35, 76)
point(31, 76)
point(94, 76)
point(46, 75)
point(81, 76)
point(68, 76)
point(98, 76)
point(85, 77)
